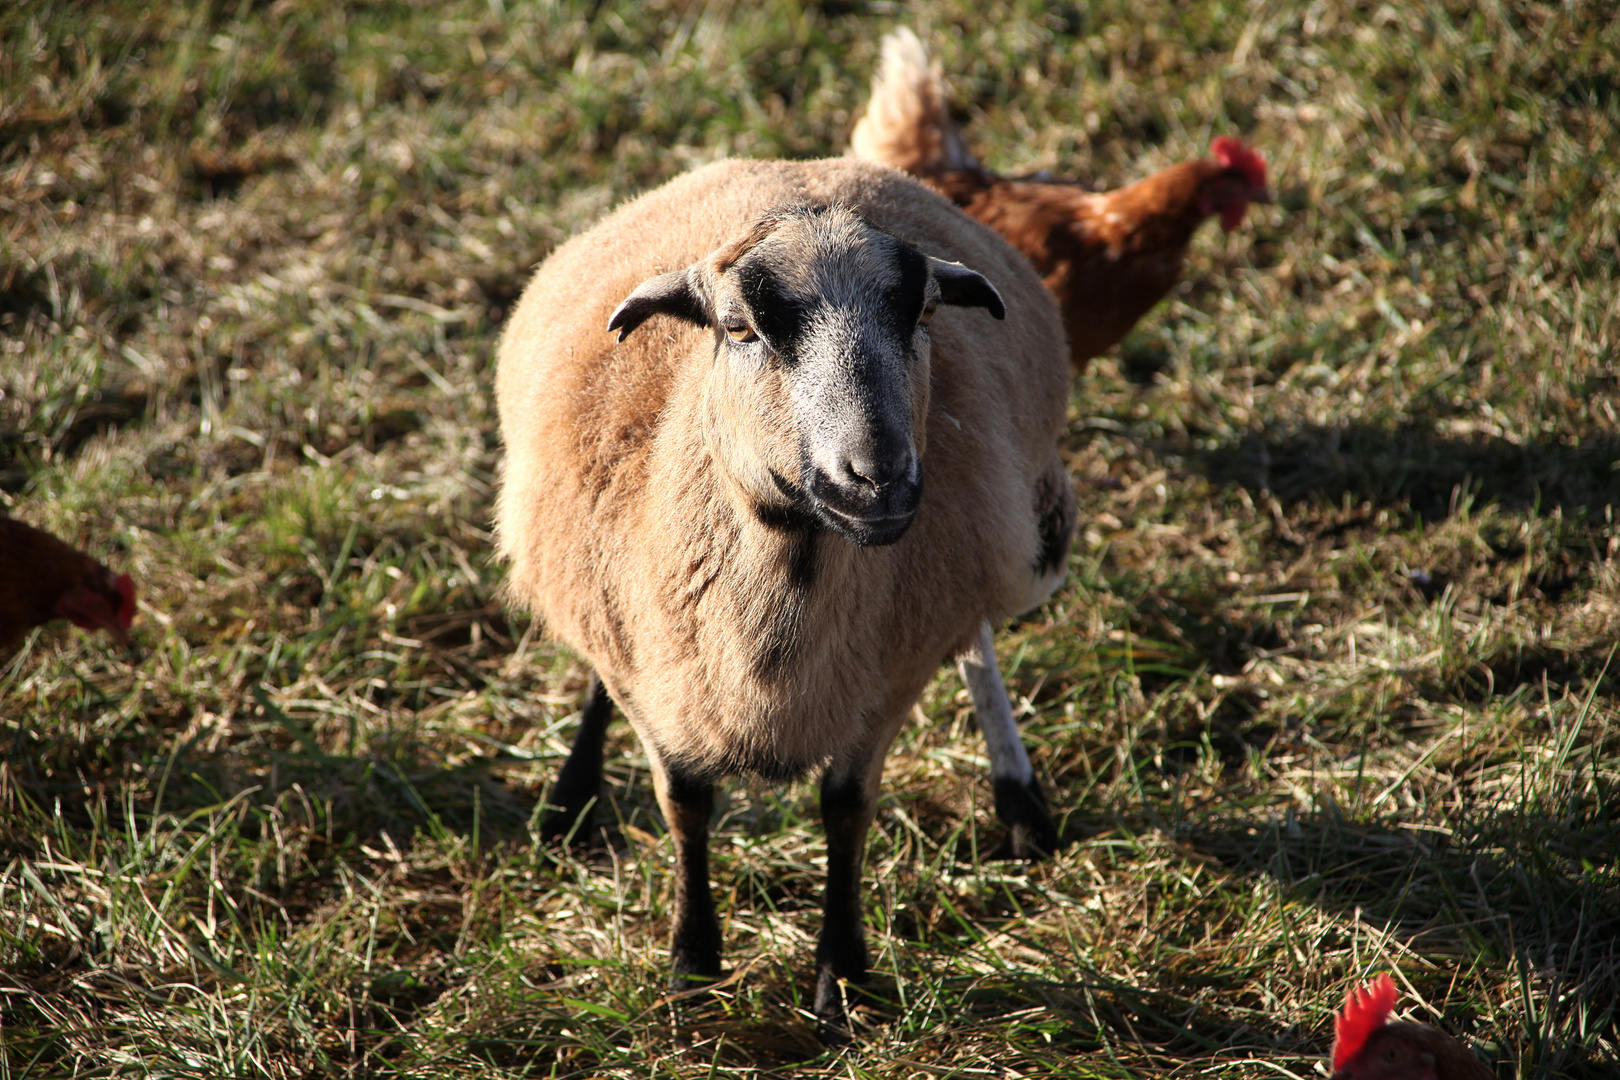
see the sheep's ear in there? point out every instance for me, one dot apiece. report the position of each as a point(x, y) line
point(678, 293)
point(961, 287)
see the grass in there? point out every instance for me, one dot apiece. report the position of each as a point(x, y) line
point(1332, 689)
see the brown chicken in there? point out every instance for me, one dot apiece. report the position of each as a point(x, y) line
point(1369, 1046)
point(1109, 256)
point(41, 579)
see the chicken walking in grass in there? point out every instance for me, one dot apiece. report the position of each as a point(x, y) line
point(1108, 257)
point(1367, 1045)
point(42, 578)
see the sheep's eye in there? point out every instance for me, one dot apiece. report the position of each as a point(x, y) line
point(927, 313)
point(740, 331)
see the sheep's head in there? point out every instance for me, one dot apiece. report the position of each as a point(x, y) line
point(821, 350)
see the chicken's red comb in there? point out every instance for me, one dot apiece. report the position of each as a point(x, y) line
point(126, 598)
point(1235, 154)
point(1364, 1013)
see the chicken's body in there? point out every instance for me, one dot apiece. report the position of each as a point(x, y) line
point(1108, 257)
point(42, 578)
point(1368, 1046)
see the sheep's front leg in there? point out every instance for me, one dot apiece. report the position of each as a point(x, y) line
point(694, 940)
point(1020, 803)
point(580, 779)
point(849, 793)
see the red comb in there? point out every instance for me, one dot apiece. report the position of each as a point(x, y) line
point(1234, 154)
point(1364, 1013)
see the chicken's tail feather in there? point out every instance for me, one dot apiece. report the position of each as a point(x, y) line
point(907, 124)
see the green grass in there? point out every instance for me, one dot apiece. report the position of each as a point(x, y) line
point(1332, 689)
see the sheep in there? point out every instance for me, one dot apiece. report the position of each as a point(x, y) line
point(1020, 803)
point(723, 510)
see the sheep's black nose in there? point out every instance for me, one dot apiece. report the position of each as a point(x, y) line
point(879, 469)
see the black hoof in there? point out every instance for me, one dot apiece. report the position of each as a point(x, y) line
point(834, 998)
point(691, 983)
point(832, 1019)
point(834, 1033)
point(695, 962)
point(1031, 833)
point(566, 825)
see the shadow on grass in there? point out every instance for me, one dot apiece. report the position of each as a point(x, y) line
point(1512, 892)
point(325, 805)
point(1512, 667)
point(1416, 466)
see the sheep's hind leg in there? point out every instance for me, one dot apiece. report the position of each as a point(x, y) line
point(694, 940)
point(1020, 803)
point(579, 782)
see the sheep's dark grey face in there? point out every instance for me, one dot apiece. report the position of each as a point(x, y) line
point(833, 313)
point(843, 327)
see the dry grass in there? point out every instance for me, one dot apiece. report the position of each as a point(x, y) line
point(1332, 689)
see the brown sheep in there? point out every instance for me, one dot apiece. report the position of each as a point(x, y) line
point(724, 511)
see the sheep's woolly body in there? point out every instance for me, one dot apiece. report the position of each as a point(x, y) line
point(632, 511)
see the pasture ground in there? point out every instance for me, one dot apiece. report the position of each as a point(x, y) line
point(1332, 689)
